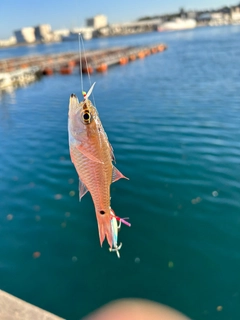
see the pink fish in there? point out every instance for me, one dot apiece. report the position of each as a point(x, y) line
point(92, 156)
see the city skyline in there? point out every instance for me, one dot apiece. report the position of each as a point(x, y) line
point(73, 13)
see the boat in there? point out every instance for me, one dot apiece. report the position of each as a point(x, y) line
point(177, 24)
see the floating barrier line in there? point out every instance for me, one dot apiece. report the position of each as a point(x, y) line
point(30, 67)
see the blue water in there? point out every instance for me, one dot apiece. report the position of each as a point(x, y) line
point(173, 119)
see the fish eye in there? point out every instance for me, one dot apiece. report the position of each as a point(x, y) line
point(86, 117)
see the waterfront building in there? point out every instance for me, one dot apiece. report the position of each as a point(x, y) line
point(191, 15)
point(61, 32)
point(129, 27)
point(219, 18)
point(178, 24)
point(235, 15)
point(8, 42)
point(204, 18)
point(98, 21)
point(87, 33)
point(43, 32)
point(25, 35)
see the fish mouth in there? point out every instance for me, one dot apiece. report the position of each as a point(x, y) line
point(73, 102)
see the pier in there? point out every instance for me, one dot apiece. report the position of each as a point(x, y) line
point(20, 77)
point(19, 71)
point(13, 308)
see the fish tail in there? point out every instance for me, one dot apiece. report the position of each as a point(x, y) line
point(104, 228)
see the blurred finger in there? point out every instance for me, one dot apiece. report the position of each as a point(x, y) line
point(135, 309)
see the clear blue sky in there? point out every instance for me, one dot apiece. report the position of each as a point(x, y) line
point(72, 13)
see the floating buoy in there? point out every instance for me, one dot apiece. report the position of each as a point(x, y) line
point(66, 70)
point(47, 71)
point(161, 48)
point(141, 54)
point(123, 60)
point(88, 69)
point(154, 50)
point(71, 63)
point(102, 67)
point(132, 57)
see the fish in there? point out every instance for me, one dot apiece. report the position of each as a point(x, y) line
point(93, 157)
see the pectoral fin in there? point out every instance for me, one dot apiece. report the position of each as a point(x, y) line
point(116, 175)
point(82, 189)
point(87, 154)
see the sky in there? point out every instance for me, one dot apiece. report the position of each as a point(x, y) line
point(60, 14)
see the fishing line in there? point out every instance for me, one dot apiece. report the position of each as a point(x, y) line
point(80, 60)
point(81, 46)
point(85, 58)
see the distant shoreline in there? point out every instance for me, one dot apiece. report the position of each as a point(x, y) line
point(27, 44)
point(124, 34)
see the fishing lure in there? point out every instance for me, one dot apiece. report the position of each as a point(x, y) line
point(115, 228)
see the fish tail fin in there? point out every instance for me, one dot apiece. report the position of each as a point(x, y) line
point(104, 228)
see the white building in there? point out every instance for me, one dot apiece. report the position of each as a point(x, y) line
point(8, 42)
point(43, 32)
point(235, 15)
point(61, 32)
point(86, 32)
point(219, 18)
point(25, 35)
point(97, 22)
point(178, 24)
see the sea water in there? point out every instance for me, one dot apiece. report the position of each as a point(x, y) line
point(173, 120)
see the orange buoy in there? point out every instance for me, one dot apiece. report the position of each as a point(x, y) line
point(132, 57)
point(154, 50)
point(47, 71)
point(102, 67)
point(123, 60)
point(71, 63)
point(141, 54)
point(65, 70)
point(161, 48)
point(88, 69)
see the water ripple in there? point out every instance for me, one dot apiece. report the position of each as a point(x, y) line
point(173, 121)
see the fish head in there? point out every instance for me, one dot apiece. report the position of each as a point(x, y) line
point(81, 116)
